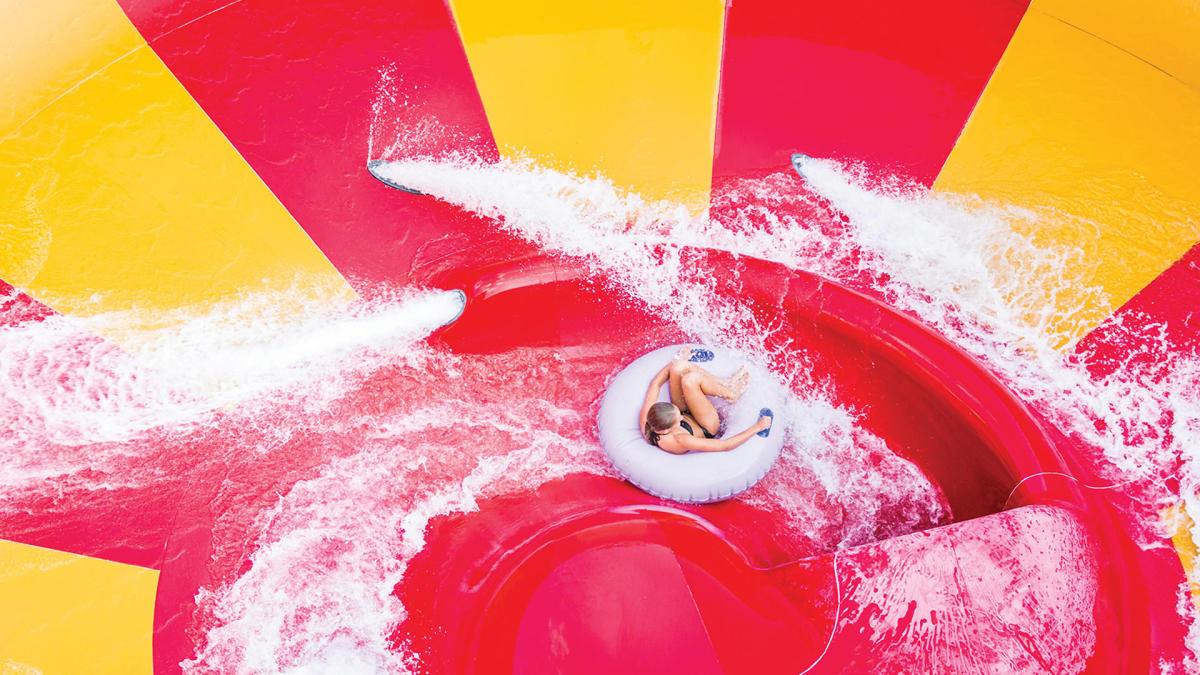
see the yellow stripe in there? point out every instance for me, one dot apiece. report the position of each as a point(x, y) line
point(116, 190)
point(48, 47)
point(1098, 140)
point(1162, 33)
point(72, 614)
point(1179, 525)
point(623, 88)
point(1092, 119)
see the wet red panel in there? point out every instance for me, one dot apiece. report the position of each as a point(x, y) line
point(888, 84)
point(591, 575)
point(1150, 330)
point(559, 580)
point(296, 92)
point(623, 608)
point(1011, 592)
point(18, 307)
point(126, 524)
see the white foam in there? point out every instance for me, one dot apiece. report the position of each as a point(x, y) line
point(318, 595)
point(70, 400)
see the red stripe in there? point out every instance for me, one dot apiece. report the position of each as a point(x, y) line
point(890, 84)
point(17, 307)
point(1151, 331)
point(293, 91)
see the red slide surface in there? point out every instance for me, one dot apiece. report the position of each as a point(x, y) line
point(586, 574)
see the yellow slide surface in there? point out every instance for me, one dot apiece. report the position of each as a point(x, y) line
point(1099, 139)
point(135, 199)
point(73, 615)
point(1093, 118)
point(627, 89)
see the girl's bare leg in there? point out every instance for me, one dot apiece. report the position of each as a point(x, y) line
point(675, 384)
point(691, 386)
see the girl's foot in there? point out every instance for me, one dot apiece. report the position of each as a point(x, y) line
point(737, 384)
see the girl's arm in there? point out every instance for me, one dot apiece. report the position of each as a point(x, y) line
point(652, 393)
point(659, 380)
point(681, 443)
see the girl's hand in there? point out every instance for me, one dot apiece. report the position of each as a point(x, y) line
point(683, 354)
point(764, 422)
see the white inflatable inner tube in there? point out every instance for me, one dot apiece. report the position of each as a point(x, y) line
point(694, 477)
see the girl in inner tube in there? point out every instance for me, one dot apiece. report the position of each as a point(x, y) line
point(690, 421)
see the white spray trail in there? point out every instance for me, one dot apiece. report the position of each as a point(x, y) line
point(318, 596)
point(72, 400)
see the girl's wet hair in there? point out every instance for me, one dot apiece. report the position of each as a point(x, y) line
point(661, 416)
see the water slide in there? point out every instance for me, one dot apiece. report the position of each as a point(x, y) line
point(264, 413)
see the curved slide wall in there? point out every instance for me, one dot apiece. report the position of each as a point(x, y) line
point(166, 155)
